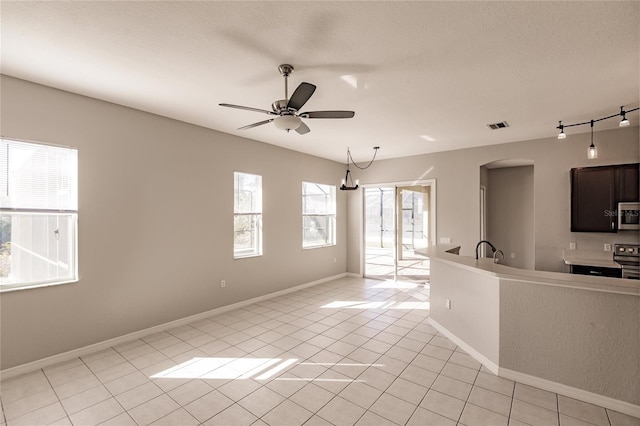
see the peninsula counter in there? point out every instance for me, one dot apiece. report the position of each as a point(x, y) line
point(571, 334)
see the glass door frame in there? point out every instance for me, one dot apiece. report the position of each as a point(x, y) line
point(396, 186)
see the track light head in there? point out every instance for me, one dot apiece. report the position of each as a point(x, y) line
point(562, 134)
point(625, 121)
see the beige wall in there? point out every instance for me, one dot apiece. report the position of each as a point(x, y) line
point(155, 222)
point(510, 219)
point(457, 175)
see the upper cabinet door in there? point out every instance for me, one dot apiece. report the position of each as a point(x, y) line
point(628, 188)
point(596, 192)
point(593, 199)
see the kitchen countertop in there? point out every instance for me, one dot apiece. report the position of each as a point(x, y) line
point(486, 266)
point(602, 259)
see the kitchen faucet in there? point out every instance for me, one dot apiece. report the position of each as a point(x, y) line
point(493, 248)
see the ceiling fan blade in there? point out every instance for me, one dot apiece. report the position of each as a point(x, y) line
point(248, 108)
point(328, 114)
point(303, 128)
point(259, 123)
point(301, 95)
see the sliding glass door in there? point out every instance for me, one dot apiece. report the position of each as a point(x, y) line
point(380, 232)
point(397, 222)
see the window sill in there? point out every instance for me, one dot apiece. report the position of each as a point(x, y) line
point(315, 247)
point(20, 287)
point(246, 256)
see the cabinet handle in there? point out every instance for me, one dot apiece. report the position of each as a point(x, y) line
point(613, 225)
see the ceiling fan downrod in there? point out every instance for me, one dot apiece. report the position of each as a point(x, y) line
point(286, 70)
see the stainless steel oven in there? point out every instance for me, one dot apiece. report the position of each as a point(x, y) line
point(628, 256)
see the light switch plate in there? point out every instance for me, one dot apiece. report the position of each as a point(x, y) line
point(607, 247)
point(572, 246)
point(445, 240)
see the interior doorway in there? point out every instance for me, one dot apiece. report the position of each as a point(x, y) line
point(399, 219)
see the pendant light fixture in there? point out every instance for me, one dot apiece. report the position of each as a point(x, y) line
point(347, 182)
point(592, 151)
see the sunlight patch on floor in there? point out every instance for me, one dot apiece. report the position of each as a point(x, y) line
point(363, 304)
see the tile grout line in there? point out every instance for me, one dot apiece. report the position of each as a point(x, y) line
point(471, 390)
point(56, 394)
point(513, 398)
point(4, 417)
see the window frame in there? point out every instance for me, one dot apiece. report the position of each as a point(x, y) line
point(256, 248)
point(330, 214)
point(69, 210)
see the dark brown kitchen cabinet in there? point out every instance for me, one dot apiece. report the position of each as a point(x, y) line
point(592, 199)
point(596, 192)
point(628, 189)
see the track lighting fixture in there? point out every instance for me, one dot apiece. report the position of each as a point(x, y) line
point(347, 182)
point(592, 152)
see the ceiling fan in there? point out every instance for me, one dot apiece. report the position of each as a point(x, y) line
point(288, 118)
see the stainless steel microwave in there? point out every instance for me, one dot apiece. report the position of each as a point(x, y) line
point(629, 216)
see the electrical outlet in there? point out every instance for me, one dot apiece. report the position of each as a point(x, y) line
point(572, 246)
point(447, 304)
point(223, 283)
point(445, 240)
point(335, 260)
point(607, 247)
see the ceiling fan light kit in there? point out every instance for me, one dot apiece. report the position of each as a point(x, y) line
point(592, 151)
point(287, 122)
point(286, 110)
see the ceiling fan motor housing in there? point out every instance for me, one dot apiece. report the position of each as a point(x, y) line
point(280, 106)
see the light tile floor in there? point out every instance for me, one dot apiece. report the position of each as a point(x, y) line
point(351, 351)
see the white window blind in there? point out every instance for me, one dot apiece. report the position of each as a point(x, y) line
point(38, 177)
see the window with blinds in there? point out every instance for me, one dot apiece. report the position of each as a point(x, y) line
point(38, 214)
point(318, 215)
point(247, 215)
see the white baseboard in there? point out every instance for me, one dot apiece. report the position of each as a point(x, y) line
point(583, 395)
point(354, 275)
point(86, 350)
point(490, 365)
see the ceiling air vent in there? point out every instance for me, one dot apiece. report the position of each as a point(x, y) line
point(496, 126)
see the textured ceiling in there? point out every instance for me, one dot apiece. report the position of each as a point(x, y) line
point(421, 76)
